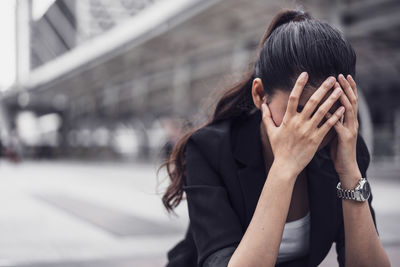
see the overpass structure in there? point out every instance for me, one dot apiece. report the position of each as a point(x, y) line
point(99, 62)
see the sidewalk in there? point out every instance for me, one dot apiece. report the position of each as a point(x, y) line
point(71, 214)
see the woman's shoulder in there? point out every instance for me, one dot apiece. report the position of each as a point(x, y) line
point(210, 141)
point(212, 133)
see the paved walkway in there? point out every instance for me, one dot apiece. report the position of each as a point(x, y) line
point(71, 214)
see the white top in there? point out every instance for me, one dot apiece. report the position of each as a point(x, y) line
point(295, 239)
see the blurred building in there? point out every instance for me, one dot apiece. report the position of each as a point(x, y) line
point(109, 71)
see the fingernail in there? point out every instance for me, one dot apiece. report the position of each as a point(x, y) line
point(341, 76)
point(262, 106)
point(341, 110)
point(331, 80)
point(303, 75)
point(337, 92)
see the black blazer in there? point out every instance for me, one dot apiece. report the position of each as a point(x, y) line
point(225, 174)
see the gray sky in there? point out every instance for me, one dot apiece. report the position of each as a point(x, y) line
point(7, 44)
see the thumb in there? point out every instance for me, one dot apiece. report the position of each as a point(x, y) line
point(267, 117)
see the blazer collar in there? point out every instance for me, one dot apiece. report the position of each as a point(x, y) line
point(247, 139)
point(321, 179)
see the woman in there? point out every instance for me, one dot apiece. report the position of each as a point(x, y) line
point(260, 176)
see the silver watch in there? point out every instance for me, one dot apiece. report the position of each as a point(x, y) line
point(361, 192)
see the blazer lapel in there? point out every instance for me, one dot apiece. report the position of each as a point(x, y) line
point(247, 151)
point(251, 172)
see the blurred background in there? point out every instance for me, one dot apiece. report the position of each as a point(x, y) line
point(95, 93)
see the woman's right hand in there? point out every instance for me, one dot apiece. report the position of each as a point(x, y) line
point(295, 141)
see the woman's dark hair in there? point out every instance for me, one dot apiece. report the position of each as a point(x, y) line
point(294, 42)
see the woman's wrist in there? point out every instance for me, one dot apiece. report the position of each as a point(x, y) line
point(284, 170)
point(350, 180)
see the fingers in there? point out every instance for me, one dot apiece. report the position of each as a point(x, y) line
point(349, 115)
point(317, 96)
point(267, 117)
point(295, 94)
point(324, 108)
point(353, 84)
point(349, 90)
point(333, 120)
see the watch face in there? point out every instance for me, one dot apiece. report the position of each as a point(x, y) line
point(366, 190)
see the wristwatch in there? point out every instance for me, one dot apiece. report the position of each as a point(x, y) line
point(360, 193)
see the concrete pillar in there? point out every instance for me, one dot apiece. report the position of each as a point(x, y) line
point(397, 136)
point(181, 88)
point(23, 17)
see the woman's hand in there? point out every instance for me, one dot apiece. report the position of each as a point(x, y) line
point(296, 140)
point(343, 147)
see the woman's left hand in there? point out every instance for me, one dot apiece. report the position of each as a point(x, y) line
point(343, 147)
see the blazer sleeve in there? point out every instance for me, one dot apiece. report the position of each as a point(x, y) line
point(363, 160)
point(220, 258)
point(215, 224)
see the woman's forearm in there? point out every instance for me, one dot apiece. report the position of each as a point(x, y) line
point(261, 241)
point(362, 244)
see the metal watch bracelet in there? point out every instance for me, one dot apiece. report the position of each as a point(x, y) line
point(360, 193)
point(345, 193)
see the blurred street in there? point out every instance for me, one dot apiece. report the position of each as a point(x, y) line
point(84, 214)
point(70, 213)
